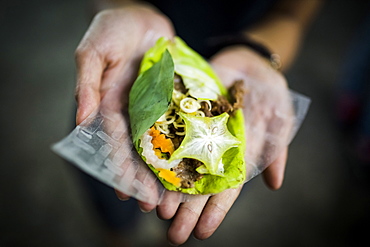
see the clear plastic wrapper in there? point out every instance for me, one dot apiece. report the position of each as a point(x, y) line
point(102, 147)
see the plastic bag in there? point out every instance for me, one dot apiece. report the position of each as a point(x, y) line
point(102, 147)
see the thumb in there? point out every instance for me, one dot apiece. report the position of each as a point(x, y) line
point(90, 67)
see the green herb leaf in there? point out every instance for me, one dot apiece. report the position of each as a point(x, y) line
point(151, 95)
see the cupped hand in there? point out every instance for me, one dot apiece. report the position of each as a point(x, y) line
point(268, 110)
point(110, 52)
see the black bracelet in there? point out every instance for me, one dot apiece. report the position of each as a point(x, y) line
point(217, 43)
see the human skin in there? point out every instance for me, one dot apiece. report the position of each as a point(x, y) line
point(112, 47)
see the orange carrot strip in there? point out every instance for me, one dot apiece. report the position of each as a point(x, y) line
point(160, 141)
point(169, 176)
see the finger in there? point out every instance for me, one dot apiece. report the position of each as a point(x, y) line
point(214, 212)
point(185, 220)
point(146, 207)
point(122, 196)
point(274, 174)
point(90, 67)
point(167, 209)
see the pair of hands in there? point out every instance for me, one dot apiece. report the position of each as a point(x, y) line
point(108, 57)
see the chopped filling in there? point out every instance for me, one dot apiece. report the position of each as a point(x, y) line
point(220, 106)
point(237, 92)
point(169, 130)
point(185, 170)
point(179, 85)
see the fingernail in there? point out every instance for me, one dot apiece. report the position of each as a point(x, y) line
point(144, 211)
point(172, 244)
point(197, 238)
point(123, 198)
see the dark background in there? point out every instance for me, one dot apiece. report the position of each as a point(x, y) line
point(42, 203)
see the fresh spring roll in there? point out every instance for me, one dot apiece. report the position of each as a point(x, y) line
point(185, 124)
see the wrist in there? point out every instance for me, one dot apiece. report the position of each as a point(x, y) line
point(142, 16)
point(242, 40)
point(100, 5)
point(247, 62)
point(241, 58)
point(112, 5)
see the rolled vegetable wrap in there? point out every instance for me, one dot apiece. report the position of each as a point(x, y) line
point(185, 125)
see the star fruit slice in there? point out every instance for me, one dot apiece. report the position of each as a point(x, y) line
point(206, 140)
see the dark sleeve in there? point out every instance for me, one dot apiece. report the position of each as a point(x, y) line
point(197, 20)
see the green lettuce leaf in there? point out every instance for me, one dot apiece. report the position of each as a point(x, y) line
point(149, 100)
point(151, 95)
